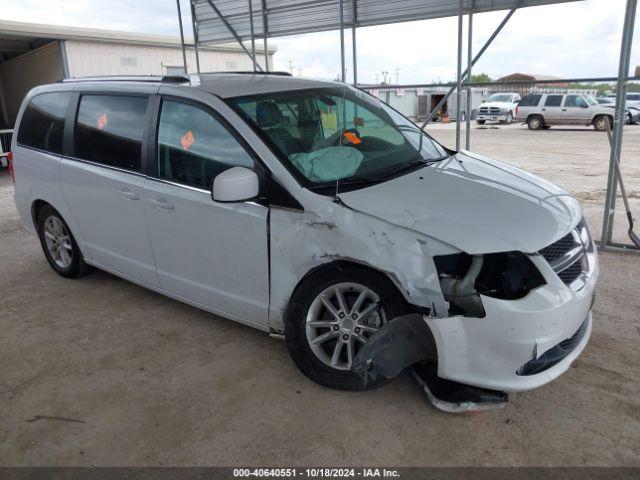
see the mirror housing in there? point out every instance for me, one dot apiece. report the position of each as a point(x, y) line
point(236, 184)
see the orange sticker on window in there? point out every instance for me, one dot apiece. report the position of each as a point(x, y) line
point(352, 137)
point(102, 121)
point(187, 140)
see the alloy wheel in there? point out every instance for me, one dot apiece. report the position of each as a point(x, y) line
point(340, 320)
point(58, 242)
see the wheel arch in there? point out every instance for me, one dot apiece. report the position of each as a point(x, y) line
point(36, 207)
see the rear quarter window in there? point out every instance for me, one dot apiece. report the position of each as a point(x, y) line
point(42, 124)
point(530, 101)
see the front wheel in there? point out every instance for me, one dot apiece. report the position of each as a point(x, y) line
point(509, 118)
point(480, 122)
point(331, 315)
point(600, 123)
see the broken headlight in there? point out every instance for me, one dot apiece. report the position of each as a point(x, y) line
point(464, 277)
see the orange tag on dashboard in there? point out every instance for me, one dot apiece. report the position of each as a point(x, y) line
point(187, 140)
point(102, 121)
point(352, 137)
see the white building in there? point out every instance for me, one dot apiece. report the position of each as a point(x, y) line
point(32, 54)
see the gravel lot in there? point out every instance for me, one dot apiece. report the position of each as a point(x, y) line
point(151, 381)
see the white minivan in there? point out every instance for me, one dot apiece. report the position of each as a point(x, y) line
point(309, 209)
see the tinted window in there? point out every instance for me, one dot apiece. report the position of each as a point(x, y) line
point(553, 101)
point(109, 130)
point(194, 147)
point(633, 96)
point(42, 123)
point(575, 101)
point(530, 100)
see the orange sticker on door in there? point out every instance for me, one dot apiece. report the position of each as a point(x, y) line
point(102, 121)
point(187, 140)
point(352, 137)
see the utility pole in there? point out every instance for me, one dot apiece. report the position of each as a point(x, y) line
point(397, 75)
point(291, 65)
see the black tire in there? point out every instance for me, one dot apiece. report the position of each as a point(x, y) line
point(298, 345)
point(599, 123)
point(77, 267)
point(509, 120)
point(535, 122)
point(481, 122)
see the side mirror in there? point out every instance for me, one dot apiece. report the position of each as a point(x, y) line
point(235, 185)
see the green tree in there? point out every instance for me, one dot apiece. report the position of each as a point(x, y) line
point(480, 78)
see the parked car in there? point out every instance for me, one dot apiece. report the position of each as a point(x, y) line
point(542, 110)
point(309, 209)
point(498, 107)
point(632, 111)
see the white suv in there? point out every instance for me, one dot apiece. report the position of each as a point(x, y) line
point(310, 209)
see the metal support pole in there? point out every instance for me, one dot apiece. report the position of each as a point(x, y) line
point(469, 88)
point(473, 62)
point(232, 31)
point(343, 70)
point(459, 76)
point(195, 35)
point(184, 53)
point(265, 31)
point(354, 15)
point(618, 122)
point(253, 37)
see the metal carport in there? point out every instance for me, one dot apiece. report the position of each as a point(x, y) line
point(217, 21)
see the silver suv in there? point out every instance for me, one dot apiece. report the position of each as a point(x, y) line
point(541, 110)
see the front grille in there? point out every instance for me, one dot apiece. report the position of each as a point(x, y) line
point(572, 272)
point(559, 248)
point(489, 110)
point(568, 256)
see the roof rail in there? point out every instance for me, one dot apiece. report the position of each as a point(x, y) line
point(132, 78)
point(248, 72)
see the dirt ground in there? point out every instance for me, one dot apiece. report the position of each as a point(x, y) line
point(130, 377)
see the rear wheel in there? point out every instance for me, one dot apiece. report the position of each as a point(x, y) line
point(535, 122)
point(58, 244)
point(331, 315)
point(600, 123)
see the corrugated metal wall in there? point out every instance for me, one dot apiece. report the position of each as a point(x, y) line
point(99, 58)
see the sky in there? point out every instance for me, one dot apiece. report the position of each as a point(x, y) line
point(579, 39)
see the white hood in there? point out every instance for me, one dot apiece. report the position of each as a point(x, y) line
point(503, 105)
point(476, 204)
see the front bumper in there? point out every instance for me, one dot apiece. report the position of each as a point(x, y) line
point(489, 352)
point(500, 117)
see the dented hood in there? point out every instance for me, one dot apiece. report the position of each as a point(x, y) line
point(476, 204)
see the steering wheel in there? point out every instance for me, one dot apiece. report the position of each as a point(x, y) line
point(342, 133)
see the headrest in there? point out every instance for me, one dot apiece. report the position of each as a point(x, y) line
point(268, 114)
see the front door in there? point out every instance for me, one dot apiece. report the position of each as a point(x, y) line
point(576, 110)
point(102, 184)
point(210, 253)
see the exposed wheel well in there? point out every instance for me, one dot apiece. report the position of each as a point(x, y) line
point(535, 115)
point(596, 117)
point(350, 264)
point(36, 206)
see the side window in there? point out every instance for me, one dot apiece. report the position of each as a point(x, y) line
point(109, 130)
point(575, 101)
point(530, 101)
point(194, 147)
point(42, 124)
point(553, 101)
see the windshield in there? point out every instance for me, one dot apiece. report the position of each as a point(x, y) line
point(590, 99)
point(500, 97)
point(329, 134)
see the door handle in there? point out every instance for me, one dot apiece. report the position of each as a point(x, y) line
point(128, 194)
point(161, 204)
point(564, 109)
point(544, 109)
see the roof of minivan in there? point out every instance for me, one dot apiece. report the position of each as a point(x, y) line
point(226, 85)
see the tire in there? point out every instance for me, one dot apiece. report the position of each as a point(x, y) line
point(481, 122)
point(535, 122)
point(317, 361)
point(509, 120)
point(58, 244)
point(599, 123)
